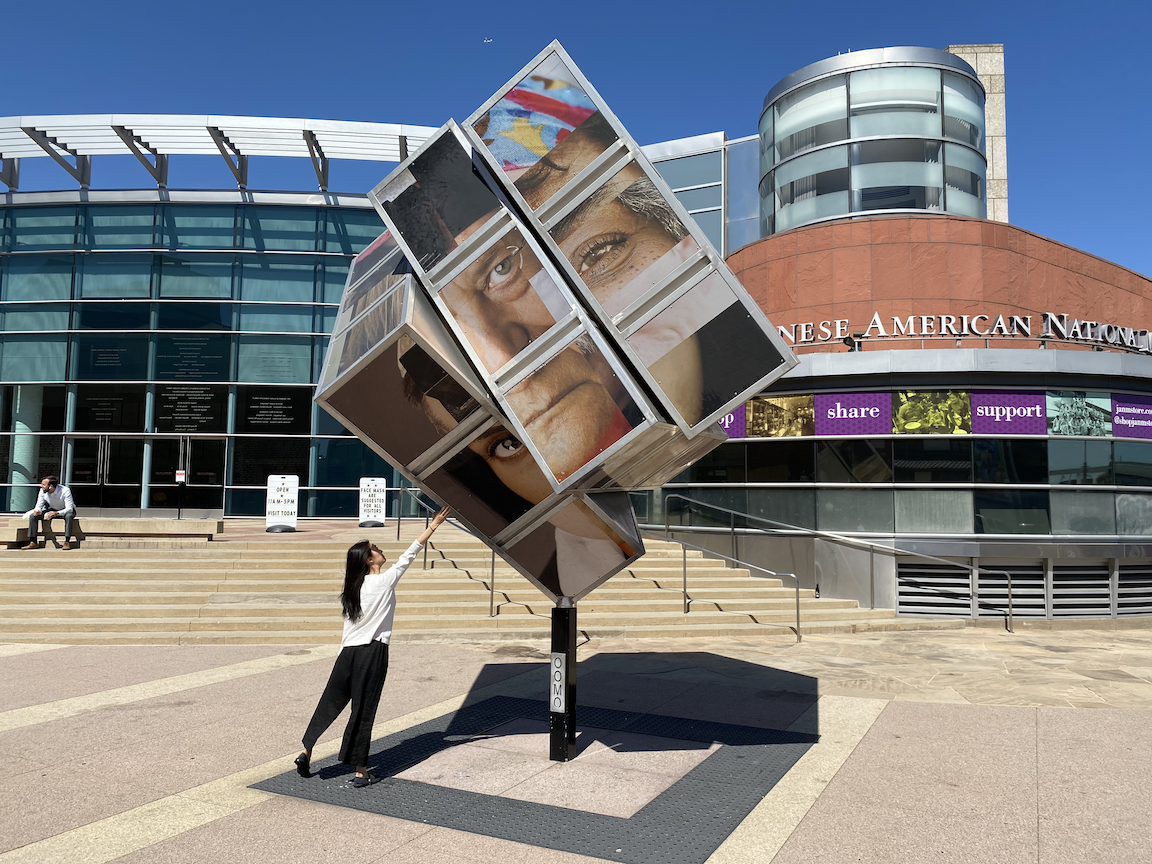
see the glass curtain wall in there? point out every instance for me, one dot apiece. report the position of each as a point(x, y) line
point(882, 139)
point(138, 340)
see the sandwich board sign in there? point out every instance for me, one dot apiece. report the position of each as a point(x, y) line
point(281, 503)
point(373, 501)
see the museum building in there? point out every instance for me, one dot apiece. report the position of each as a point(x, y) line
point(967, 389)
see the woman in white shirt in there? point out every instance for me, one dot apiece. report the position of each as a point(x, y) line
point(369, 601)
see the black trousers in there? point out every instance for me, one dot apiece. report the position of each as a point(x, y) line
point(358, 675)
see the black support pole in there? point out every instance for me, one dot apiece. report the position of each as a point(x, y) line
point(562, 686)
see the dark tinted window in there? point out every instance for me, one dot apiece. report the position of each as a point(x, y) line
point(105, 357)
point(274, 410)
point(195, 316)
point(112, 316)
point(932, 460)
point(1011, 511)
point(110, 408)
point(1079, 463)
point(1023, 461)
point(854, 461)
point(1133, 464)
point(255, 458)
point(725, 464)
point(781, 462)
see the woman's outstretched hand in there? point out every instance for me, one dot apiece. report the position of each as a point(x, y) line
point(436, 522)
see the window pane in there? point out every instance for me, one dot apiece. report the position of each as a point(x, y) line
point(931, 511)
point(191, 408)
point(964, 175)
point(854, 461)
point(193, 357)
point(1133, 463)
point(1083, 513)
point(270, 229)
point(276, 319)
point(109, 357)
point(342, 462)
point(811, 116)
point(943, 460)
point(273, 411)
point(854, 510)
point(963, 110)
point(895, 102)
point(711, 223)
point(1133, 513)
point(1079, 463)
point(1011, 511)
point(120, 227)
point(1008, 461)
point(277, 281)
point(254, 459)
point(31, 408)
point(781, 462)
point(194, 316)
point(350, 231)
point(275, 359)
point(743, 177)
point(787, 506)
point(33, 358)
point(113, 316)
point(114, 277)
point(725, 464)
point(700, 199)
point(811, 187)
point(36, 278)
point(890, 175)
point(202, 276)
point(198, 227)
point(691, 170)
point(685, 513)
point(36, 228)
point(42, 317)
point(332, 289)
point(110, 408)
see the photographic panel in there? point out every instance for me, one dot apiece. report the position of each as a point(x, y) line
point(931, 412)
point(366, 333)
point(357, 298)
point(491, 482)
point(705, 349)
point(1076, 412)
point(623, 239)
point(544, 131)
point(437, 200)
point(504, 300)
point(402, 401)
point(574, 551)
point(378, 250)
point(574, 407)
point(781, 416)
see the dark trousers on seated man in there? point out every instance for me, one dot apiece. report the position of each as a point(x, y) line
point(34, 526)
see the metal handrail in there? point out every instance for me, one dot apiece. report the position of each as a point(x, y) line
point(834, 538)
point(684, 545)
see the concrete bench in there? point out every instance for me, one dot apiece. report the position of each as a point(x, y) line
point(16, 533)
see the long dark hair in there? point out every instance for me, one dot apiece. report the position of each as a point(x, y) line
point(354, 572)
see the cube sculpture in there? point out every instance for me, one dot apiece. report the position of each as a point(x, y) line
point(541, 329)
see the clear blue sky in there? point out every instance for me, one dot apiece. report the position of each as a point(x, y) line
point(1078, 79)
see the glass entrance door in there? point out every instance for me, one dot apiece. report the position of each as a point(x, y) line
point(201, 460)
point(106, 472)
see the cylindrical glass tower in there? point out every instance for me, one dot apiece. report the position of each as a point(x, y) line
point(887, 129)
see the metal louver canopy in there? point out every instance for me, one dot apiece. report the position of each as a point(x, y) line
point(72, 141)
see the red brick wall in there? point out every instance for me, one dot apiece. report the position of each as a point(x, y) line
point(933, 265)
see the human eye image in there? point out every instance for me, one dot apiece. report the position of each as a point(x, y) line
point(504, 300)
point(544, 131)
point(574, 407)
point(624, 239)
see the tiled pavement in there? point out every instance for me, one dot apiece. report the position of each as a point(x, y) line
point(970, 745)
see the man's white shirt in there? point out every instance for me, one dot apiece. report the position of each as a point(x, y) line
point(59, 500)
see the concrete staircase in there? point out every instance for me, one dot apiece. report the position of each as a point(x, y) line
point(284, 591)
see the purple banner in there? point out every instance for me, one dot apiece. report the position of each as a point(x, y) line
point(1131, 416)
point(853, 413)
point(1009, 414)
point(736, 422)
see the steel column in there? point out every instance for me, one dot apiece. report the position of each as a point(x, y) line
point(562, 685)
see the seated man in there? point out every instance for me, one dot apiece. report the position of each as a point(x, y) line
point(52, 501)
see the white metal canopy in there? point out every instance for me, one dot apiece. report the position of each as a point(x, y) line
point(72, 140)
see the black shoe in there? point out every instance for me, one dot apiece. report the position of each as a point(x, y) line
point(302, 767)
point(361, 782)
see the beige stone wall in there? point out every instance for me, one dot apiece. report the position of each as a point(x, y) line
point(988, 61)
